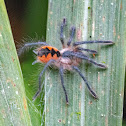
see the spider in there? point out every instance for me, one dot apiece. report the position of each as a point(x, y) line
point(69, 58)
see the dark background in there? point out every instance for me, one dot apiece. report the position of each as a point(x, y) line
point(28, 21)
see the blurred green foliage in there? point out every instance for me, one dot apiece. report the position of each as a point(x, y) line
point(35, 29)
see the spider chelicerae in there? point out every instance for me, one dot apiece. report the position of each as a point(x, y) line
point(69, 58)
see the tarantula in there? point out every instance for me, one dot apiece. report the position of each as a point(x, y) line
point(69, 58)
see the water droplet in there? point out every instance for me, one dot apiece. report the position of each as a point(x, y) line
point(2, 91)
point(17, 92)
point(102, 115)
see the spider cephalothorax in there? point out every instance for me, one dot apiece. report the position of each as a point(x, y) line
point(69, 58)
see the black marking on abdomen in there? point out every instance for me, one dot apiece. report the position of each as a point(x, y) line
point(46, 51)
point(58, 54)
point(53, 52)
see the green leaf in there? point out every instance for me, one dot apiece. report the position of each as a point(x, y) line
point(94, 20)
point(13, 104)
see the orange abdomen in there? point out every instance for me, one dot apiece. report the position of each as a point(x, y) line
point(45, 53)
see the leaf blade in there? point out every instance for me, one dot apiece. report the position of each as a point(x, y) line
point(13, 106)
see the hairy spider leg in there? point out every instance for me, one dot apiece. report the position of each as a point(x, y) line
point(90, 42)
point(82, 56)
point(87, 50)
point(61, 32)
point(62, 82)
point(40, 85)
point(35, 43)
point(86, 82)
point(28, 45)
point(72, 33)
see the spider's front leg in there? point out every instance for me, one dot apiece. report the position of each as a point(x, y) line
point(40, 85)
point(62, 82)
point(72, 33)
point(91, 42)
point(61, 32)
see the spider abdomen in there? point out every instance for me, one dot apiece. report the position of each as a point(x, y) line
point(46, 53)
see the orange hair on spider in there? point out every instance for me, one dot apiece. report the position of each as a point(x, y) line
point(45, 53)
